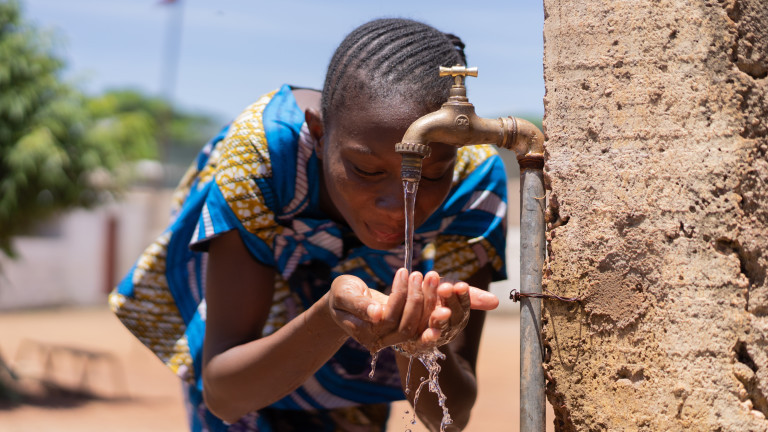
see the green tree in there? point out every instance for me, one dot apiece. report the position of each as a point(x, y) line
point(45, 157)
point(132, 122)
point(54, 139)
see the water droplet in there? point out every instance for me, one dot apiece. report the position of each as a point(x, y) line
point(374, 357)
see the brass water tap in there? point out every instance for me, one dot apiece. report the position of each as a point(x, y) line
point(456, 123)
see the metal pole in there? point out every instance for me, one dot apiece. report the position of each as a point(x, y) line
point(532, 250)
point(169, 71)
point(172, 48)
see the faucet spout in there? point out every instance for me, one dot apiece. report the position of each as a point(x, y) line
point(456, 123)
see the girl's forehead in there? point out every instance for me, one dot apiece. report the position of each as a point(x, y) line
point(381, 145)
point(374, 127)
point(393, 110)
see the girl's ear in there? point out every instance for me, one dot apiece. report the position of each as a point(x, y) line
point(316, 129)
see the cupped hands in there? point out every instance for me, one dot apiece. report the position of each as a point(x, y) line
point(420, 312)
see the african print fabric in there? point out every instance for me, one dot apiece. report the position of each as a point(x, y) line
point(259, 177)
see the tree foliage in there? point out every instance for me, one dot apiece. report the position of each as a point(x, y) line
point(54, 139)
point(133, 122)
point(44, 156)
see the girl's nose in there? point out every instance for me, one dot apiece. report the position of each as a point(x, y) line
point(390, 199)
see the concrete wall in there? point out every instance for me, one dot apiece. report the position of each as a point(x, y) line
point(656, 117)
point(67, 261)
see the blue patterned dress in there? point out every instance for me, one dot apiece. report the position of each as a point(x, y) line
point(259, 177)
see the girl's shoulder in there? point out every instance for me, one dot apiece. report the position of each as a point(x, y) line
point(262, 143)
point(264, 161)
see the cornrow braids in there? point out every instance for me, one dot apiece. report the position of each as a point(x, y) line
point(391, 58)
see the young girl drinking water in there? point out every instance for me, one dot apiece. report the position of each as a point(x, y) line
point(280, 273)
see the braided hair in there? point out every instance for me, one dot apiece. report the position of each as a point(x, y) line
point(391, 59)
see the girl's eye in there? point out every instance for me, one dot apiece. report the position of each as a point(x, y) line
point(434, 179)
point(365, 173)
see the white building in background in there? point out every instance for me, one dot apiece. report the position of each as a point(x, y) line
point(77, 257)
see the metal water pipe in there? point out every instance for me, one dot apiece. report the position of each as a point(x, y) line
point(456, 123)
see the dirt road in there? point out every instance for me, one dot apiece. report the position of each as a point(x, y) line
point(87, 349)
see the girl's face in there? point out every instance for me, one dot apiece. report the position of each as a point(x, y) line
point(361, 173)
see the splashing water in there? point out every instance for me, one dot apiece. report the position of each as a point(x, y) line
point(429, 360)
point(408, 375)
point(374, 357)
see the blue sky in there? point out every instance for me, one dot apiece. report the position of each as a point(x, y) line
point(232, 51)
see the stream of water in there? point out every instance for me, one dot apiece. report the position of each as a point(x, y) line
point(410, 188)
point(427, 358)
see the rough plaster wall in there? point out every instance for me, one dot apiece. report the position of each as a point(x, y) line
point(656, 119)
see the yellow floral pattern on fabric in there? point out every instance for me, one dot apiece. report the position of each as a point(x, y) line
point(244, 156)
point(364, 418)
point(470, 157)
point(456, 257)
point(151, 314)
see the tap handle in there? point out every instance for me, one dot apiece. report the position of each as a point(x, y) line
point(458, 70)
point(458, 73)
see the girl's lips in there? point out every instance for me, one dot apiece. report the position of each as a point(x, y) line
point(386, 235)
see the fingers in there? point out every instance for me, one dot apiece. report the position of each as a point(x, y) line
point(397, 298)
point(419, 308)
point(454, 296)
point(429, 289)
point(440, 318)
point(439, 325)
point(411, 302)
point(430, 337)
point(478, 298)
point(352, 298)
point(482, 300)
point(414, 307)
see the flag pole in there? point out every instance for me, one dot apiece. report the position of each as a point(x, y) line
point(170, 66)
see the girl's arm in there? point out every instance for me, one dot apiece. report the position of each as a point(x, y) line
point(242, 371)
point(457, 377)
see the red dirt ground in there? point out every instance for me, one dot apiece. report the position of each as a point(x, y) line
point(135, 392)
